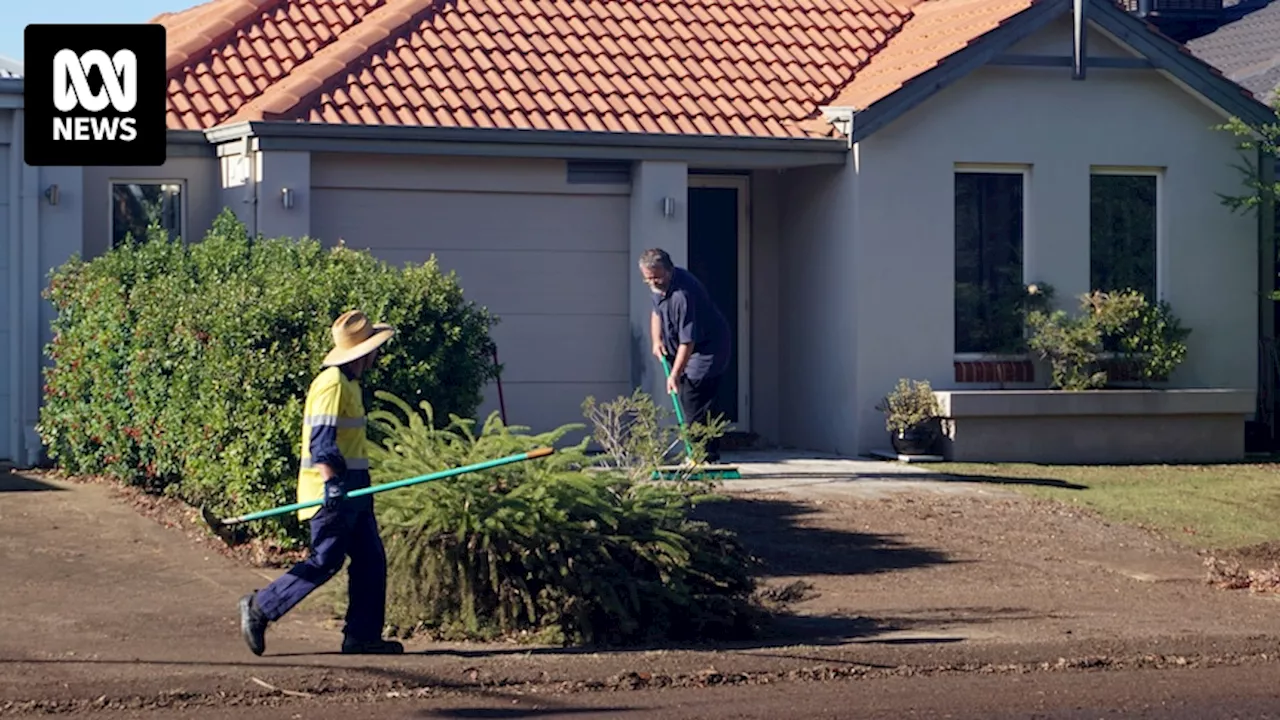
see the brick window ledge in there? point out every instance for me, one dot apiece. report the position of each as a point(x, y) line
point(995, 369)
point(1020, 369)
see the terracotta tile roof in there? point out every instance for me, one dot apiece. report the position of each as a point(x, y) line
point(937, 31)
point(730, 67)
point(227, 52)
point(740, 67)
point(726, 67)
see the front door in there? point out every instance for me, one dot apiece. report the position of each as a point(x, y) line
point(716, 243)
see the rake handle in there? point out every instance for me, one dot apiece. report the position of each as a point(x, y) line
point(675, 402)
point(374, 489)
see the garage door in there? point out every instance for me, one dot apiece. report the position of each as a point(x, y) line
point(548, 256)
point(9, 285)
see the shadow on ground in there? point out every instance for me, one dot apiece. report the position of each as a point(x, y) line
point(13, 482)
point(775, 531)
point(825, 478)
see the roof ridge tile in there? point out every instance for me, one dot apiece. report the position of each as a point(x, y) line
point(214, 28)
point(316, 72)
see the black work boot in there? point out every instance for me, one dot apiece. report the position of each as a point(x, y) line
point(351, 646)
point(253, 624)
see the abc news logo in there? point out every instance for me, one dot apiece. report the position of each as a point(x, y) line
point(95, 95)
point(71, 92)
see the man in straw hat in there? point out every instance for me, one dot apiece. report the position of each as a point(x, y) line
point(335, 460)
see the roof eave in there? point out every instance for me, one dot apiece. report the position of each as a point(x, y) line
point(11, 86)
point(736, 151)
point(189, 143)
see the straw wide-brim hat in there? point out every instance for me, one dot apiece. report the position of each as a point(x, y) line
point(354, 336)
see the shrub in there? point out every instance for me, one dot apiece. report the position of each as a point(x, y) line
point(183, 368)
point(552, 548)
point(635, 435)
point(911, 403)
point(1120, 329)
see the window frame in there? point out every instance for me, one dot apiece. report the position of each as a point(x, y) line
point(1162, 254)
point(1025, 170)
point(111, 217)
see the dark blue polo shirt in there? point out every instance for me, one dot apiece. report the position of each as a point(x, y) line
point(687, 315)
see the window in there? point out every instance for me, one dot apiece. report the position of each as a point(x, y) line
point(989, 284)
point(1122, 232)
point(137, 206)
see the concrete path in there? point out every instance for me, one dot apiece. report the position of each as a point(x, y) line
point(811, 474)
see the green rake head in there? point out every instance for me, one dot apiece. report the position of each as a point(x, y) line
point(710, 472)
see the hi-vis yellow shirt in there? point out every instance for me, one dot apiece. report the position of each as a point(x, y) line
point(333, 433)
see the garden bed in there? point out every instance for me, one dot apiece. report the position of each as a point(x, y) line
point(1095, 426)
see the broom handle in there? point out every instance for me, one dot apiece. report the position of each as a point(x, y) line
point(519, 457)
point(675, 401)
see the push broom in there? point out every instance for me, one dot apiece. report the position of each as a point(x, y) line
point(716, 472)
point(222, 526)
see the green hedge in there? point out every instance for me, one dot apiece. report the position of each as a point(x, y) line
point(183, 368)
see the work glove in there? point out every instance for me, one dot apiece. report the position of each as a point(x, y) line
point(334, 493)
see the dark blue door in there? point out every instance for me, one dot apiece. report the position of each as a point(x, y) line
point(713, 258)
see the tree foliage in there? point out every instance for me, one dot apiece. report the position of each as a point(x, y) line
point(555, 549)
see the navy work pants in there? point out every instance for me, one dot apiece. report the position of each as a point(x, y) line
point(351, 532)
point(697, 400)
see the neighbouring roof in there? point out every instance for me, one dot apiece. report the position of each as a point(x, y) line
point(706, 67)
point(10, 68)
point(1247, 50)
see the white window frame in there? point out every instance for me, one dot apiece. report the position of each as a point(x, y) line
point(182, 194)
point(1025, 170)
point(742, 184)
point(1162, 254)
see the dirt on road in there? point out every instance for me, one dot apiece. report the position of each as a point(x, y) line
point(104, 609)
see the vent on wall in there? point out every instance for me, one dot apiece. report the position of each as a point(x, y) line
point(1174, 6)
point(597, 172)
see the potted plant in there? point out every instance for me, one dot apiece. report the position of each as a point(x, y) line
point(912, 416)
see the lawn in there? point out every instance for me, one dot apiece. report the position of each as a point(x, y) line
point(1207, 506)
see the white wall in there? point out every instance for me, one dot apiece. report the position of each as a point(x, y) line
point(36, 236)
point(10, 295)
point(651, 183)
point(765, 301)
point(904, 268)
point(818, 395)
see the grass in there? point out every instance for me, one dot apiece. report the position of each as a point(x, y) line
point(1207, 506)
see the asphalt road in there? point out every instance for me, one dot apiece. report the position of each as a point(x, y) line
point(1182, 694)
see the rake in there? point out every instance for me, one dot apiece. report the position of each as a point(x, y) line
point(670, 472)
point(222, 527)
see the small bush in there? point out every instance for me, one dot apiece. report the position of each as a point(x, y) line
point(551, 549)
point(183, 368)
point(1120, 329)
point(635, 435)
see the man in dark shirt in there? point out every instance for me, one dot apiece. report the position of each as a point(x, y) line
point(690, 331)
